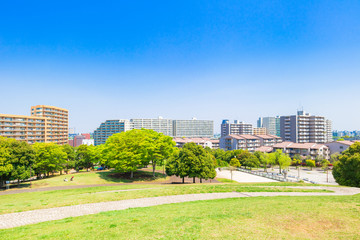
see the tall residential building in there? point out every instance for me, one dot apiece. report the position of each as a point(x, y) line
point(304, 128)
point(328, 129)
point(46, 124)
point(193, 128)
point(57, 127)
point(173, 128)
point(164, 126)
point(108, 128)
point(272, 124)
point(237, 127)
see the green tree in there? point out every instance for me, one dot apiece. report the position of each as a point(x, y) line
point(252, 162)
point(87, 156)
point(310, 163)
point(6, 166)
point(334, 157)
point(126, 151)
point(235, 163)
point(264, 159)
point(49, 157)
point(346, 171)
point(192, 161)
point(281, 159)
point(22, 160)
point(70, 158)
point(157, 147)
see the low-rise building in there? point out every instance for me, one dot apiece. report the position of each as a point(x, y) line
point(204, 142)
point(313, 150)
point(247, 142)
point(260, 131)
point(338, 146)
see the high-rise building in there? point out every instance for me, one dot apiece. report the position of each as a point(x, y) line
point(57, 127)
point(272, 124)
point(193, 128)
point(108, 128)
point(161, 125)
point(328, 129)
point(173, 128)
point(237, 127)
point(46, 124)
point(304, 128)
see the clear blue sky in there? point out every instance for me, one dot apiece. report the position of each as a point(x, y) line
point(179, 59)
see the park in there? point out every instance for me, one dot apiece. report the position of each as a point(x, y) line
point(138, 185)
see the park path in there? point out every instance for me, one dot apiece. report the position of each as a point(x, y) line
point(42, 215)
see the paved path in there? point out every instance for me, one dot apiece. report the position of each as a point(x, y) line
point(30, 217)
point(242, 177)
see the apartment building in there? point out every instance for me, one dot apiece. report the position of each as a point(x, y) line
point(193, 128)
point(204, 142)
point(57, 124)
point(108, 128)
point(313, 150)
point(304, 128)
point(236, 128)
point(247, 142)
point(46, 124)
point(272, 125)
point(175, 128)
point(160, 125)
point(260, 131)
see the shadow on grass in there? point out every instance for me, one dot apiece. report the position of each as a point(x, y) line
point(139, 176)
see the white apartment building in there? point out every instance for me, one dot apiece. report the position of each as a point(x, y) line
point(236, 128)
point(247, 142)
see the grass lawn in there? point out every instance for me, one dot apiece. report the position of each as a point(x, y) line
point(95, 177)
point(335, 217)
point(48, 199)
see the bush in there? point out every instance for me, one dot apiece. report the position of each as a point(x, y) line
point(346, 171)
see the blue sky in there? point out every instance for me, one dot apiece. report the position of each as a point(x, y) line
point(209, 59)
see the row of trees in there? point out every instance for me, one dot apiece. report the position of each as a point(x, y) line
point(20, 161)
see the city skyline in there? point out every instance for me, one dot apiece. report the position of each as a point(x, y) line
point(211, 60)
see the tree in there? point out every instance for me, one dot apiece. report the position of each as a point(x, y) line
point(264, 159)
point(191, 161)
point(310, 163)
point(157, 147)
point(252, 162)
point(6, 166)
point(234, 163)
point(334, 157)
point(126, 151)
point(346, 171)
point(70, 157)
point(49, 157)
point(281, 159)
point(86, 156)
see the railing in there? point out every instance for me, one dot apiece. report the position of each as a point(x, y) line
point(275, 176)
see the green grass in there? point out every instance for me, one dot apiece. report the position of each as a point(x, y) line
point(96, 177)
point(48, 199)
point(225, 180)
point(335, 217)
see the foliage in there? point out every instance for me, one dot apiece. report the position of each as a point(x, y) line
point(126, 151)
point(191, 161)
point(264, 159)
point(310, 163)
point(346, 171)
point(70, 157)
point(49, 157)
point(281, 159)
point(252, 162)
point(235, 162)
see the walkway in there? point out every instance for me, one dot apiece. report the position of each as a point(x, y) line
point(242, 177)
point(42, 215)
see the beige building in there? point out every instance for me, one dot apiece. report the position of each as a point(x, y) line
point(248, 142)
point(202, 141)
point(260, 131)
point(46, 124)
point(304, 149)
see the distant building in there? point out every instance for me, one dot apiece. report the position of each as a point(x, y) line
point(313, 150)
point(173, 128)
point(247, 142)
point(260, 131)
point(204, 142)
point(305, 128)
point(88, 142)
point(108, 128)
point(339, 146)
point(237, 128)
point(46, 124)
point(272, 124)
point(193, 128)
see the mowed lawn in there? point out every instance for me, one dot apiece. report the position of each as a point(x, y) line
point(94, 177)
point(38, 200)
point(335, 217)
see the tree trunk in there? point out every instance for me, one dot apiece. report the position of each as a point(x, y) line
point(61, 172)
point(132, 174)
point(279, 169)
point(18, 182)
point(154, 166)
point(193, 179)
point(183, 180)
point(200, 180)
